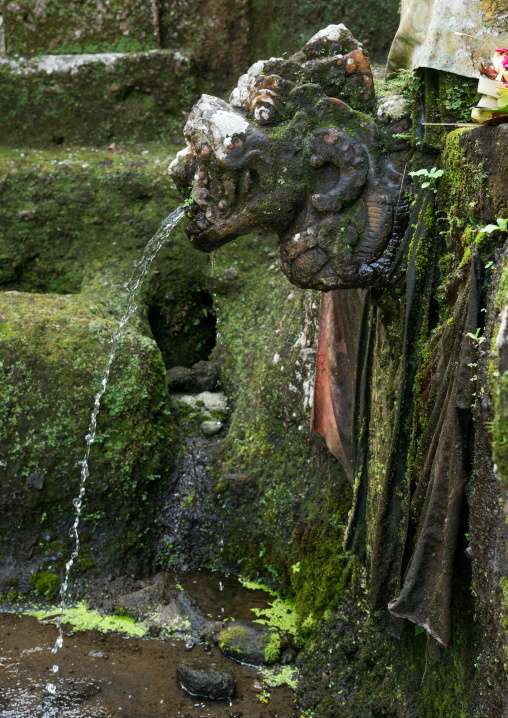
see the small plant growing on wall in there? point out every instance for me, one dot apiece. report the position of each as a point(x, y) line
point(502, 226)
point(430, 176)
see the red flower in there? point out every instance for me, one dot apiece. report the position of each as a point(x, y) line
point(502, 51)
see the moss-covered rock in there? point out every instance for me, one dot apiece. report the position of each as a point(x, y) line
point(77, 220)
point(250, 643)
point(474, 185)
point(95, 99)
point(53, 351)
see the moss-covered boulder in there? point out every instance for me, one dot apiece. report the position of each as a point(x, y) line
point(68, 214)
point(249, 642)
point(77, 220)
point(474, 190)
point(95, 99)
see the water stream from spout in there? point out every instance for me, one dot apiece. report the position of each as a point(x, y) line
point(140, 271)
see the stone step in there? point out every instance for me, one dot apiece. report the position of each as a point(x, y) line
point(76, 221)
point(67, 213)
point(75, 27)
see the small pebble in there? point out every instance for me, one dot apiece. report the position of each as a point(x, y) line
point(97, 654)
point(257, 687)
point(230, 274)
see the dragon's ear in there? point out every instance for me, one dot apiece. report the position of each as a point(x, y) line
point(342, 166)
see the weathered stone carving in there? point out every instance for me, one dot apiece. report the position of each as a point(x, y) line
point(295, 153)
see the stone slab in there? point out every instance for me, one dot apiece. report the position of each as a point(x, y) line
point(95, 99)
point(78, 26)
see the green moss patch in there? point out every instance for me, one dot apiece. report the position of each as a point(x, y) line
point(45, 584)
point(82, 618)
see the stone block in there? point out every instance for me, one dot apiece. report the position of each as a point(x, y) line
point(474, 182)
point(80, 26)
point(95, 99)
point(53, 350)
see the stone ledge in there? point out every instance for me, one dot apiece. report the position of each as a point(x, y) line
point(125, 25)
point(96, 99)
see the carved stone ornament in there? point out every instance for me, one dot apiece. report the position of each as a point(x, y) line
point(298, 151)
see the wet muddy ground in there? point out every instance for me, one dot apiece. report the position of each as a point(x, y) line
point(101, 675)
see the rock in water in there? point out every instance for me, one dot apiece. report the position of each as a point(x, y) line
point(248, 642)
point(205, 375)
point(206, 678)
point(230, 274)
point(164, 606)
point(143, 603)
point(36, 481)
point(180, 378)
point(181, 615)
point(209, 428)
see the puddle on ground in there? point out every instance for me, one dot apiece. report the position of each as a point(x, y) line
point(215, 591)
point(106, 675)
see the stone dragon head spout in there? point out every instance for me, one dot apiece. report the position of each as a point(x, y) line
point(298, 153)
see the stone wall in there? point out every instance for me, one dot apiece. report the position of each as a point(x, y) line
point(73, 224)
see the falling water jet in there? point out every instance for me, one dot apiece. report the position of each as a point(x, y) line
point(140, 271)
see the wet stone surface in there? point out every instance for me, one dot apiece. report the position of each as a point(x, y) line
point(249, 643)
point(206, 678)
point(201, 377)
point(187, 513)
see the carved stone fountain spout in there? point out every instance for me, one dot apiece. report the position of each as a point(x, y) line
point(297, 152)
